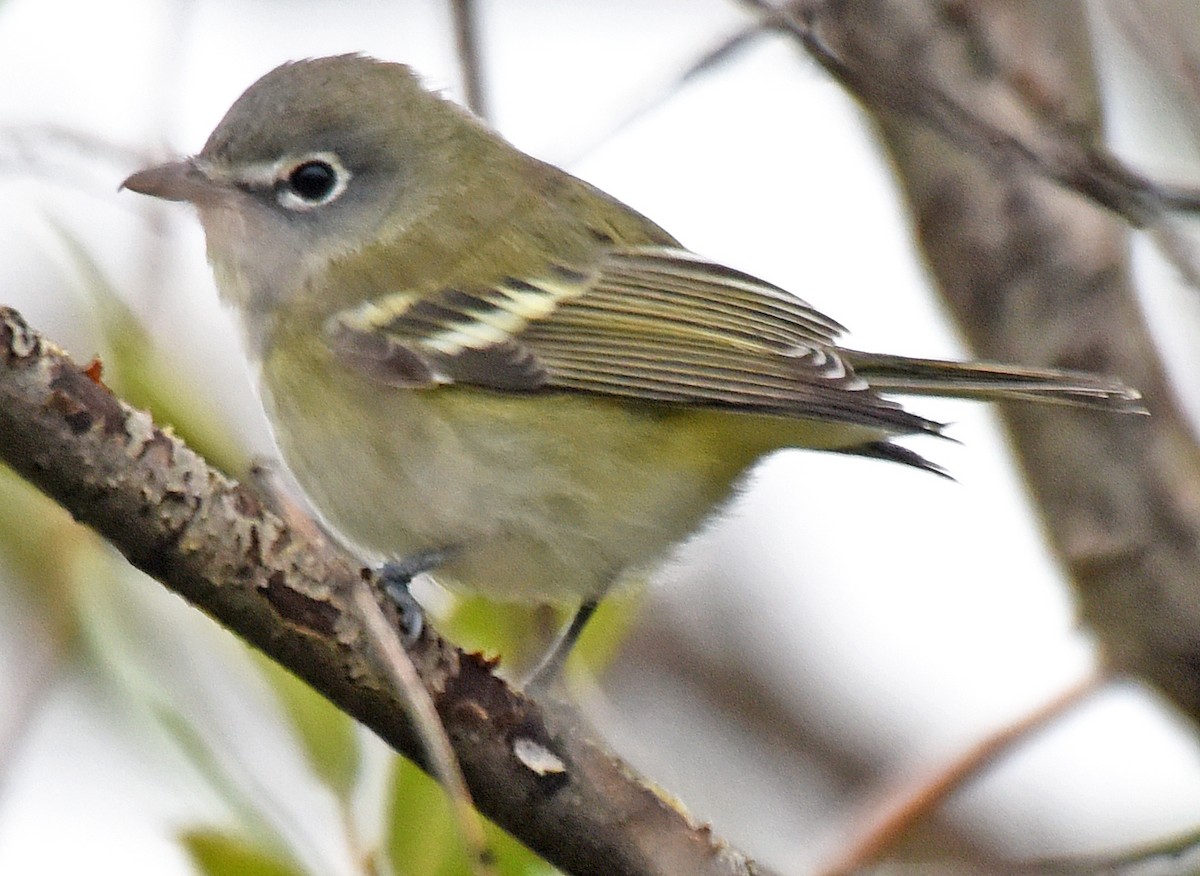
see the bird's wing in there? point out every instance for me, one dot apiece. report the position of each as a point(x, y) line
point(648, 323)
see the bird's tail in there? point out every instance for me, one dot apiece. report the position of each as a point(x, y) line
point(989, 381)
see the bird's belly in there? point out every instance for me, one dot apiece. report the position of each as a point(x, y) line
point(536, 497)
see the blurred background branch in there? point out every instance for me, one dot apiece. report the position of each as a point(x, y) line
point(1039, 275)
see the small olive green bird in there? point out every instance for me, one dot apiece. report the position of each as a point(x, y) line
point(482, 365)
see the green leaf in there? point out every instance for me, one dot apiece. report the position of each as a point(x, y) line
point(217, 853)
point(518, 633)
point(422, 839)
point(39, 542)
point(329, 736)
point(136, 640)
point(420, 833)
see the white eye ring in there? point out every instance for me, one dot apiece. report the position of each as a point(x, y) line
point(313, 181)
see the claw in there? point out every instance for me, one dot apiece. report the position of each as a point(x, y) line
point(396, 575)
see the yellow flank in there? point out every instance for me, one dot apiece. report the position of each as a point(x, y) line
point(602, 488)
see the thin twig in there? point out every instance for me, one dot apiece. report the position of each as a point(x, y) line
point(470, 62)
point(1176, 854)
point(56, 153)
point(1159, 34)
point(393, 661)
point(1178, 248)
point(713, 58)
point(1088, 169)
point(398, 666)
point(889, 821)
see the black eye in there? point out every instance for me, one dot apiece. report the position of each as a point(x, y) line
point(313, 181)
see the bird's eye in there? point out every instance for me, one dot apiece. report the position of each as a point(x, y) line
point(313, 180)
point(311, 183)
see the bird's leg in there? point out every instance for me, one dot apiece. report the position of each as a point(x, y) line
point(550, 669)
point(396, 575)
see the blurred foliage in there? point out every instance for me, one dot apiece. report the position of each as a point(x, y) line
point(39, 542)
point(522, 634)
point(216, 853)
point(248, 810)
point(136, 373)
point(422, 839)
point(327, 735)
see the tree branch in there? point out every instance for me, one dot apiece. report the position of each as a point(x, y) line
point(212, 541)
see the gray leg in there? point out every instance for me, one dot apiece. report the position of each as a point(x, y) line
point(549, 671)
point(396, 575)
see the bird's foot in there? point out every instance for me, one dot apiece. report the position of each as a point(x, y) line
point(396, 575)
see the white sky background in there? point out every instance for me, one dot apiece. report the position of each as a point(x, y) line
point(920, 614)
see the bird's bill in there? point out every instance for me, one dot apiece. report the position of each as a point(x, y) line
point(183, 180)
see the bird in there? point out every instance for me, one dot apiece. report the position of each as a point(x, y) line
point(479, 366)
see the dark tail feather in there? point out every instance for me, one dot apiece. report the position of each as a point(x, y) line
point(988, 381)
point(895, 453)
